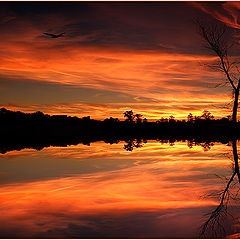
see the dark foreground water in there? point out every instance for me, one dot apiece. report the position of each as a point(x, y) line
point(103, 191)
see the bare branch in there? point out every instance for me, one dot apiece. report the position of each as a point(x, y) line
point(214, 37)
point(215, 218)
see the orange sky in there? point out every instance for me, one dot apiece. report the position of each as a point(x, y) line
point(114, 57)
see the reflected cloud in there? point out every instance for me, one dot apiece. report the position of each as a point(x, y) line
point(110, 195)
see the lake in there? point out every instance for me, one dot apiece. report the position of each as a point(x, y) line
point(126, 190)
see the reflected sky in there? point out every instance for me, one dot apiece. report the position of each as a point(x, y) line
point(103, 191)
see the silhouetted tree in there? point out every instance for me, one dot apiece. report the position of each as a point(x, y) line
point(190, 117)
point(171, 119)
point(206, 146)
point(111, 120)
point(138, 118)
point(129, 115)
point(218, 41)
point(145, 120)
point(214, 225)
point(207, 115)
point(129, 146)
point(196, 118)
point(163, 119)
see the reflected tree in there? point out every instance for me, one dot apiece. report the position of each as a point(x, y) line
point(131, 144)
point(214, 226)
point(205, 145)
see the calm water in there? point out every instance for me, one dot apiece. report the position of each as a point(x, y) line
point(104, 191)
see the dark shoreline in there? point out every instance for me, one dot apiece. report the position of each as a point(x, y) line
point(43, 139)
point(20, 130)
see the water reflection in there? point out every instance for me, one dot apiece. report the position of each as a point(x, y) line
point(131, 143)
point(216, 224)
point(104, 191)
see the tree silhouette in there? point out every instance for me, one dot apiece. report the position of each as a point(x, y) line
point(190, 117)
point(218, 40)
point(129, 115)
point(215, 222)
point(131, 144)
point(171, 119)
point(138, 118)
point(207, 115)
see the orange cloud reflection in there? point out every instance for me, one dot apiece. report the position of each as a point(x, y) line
point(157, 183)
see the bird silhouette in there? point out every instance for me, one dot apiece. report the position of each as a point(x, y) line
point(54, 35)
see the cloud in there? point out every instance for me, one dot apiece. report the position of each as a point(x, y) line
point(225, 12)
point(148, 52)
point(150, 110)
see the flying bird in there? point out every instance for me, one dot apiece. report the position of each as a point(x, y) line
point(54, 35)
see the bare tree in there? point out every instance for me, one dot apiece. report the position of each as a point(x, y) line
point(218, 41)
point(214, 223)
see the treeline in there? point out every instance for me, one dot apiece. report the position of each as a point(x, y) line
point(8, 116)
point(38, 124)
point(205, 117)
point(37, 130)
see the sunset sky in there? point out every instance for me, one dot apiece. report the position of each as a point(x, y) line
point(114, 56)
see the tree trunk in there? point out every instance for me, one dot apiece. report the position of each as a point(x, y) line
point(235, 105)
point(235, 157)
